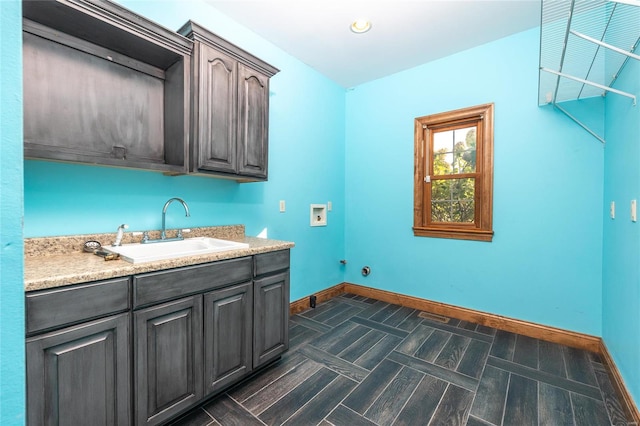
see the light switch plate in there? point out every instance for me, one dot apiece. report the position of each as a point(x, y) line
point(283, 206)
point(634, 214)
point(612, 210)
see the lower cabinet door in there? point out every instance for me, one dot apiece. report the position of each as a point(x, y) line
point(168, 357)
point(228, 328)
point(270, 317)
point(80, 375)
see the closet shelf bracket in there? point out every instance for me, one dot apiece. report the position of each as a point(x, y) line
point(591, 83)
point(603, 44)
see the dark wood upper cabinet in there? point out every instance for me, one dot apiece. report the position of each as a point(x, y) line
point(103, 85)
point(229, 108)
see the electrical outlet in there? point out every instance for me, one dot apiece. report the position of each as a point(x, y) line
point(312, 301)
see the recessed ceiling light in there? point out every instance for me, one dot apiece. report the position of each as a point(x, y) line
point(361, 25)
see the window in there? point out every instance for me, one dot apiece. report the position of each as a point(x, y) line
point(453, 174)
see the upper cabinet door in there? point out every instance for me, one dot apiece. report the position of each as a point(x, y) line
point(253, 122)
point(230, 103)
point(216, 135)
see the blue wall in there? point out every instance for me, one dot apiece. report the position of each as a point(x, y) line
point(621, 246)
point(12, 379)
point(306, 166)
point(545, 262)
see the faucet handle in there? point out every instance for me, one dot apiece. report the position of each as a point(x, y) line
point(145, 237)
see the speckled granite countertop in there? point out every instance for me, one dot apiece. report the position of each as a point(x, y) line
point(58, 261)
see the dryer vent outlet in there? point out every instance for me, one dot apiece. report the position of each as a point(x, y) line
point(312, 301)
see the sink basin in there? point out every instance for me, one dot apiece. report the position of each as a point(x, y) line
point(138, 253)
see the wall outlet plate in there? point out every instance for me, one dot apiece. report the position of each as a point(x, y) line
point(318, 215)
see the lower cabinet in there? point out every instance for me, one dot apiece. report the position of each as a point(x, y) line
point(80, 375)
point(227, 335)
point(270, 318)
point(178, 336)
point(168, 354)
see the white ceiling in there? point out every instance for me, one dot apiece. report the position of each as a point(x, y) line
point(405, 33)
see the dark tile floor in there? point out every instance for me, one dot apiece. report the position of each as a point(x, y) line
point(357, 361)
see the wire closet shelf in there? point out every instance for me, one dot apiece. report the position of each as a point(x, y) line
point(584, 46)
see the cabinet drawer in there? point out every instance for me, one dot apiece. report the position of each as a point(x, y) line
point(54, 308)
point(159, 286)
point(271, 262)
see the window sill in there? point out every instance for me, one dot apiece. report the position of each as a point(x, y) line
point(458, 234)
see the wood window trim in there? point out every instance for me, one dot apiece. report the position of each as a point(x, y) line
point(482, 228)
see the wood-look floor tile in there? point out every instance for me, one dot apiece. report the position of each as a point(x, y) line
point(336, 309)
point(197, 417)
point(554, 407)
point(474, 359)
point(474, 421)
point(320, 309)
point(398, 316)
point(373, 309)
point(280, 387)
point(378, 352)
point(410, 322)
point(379, 326)
point(503, 346)
point(423, 403)
point(362, 345)
point(542, 376)
point(339, 365)
point(323, 403)
point(489, 331)
point(355, 303)
point(342, 316)
point(611, 402)
point(310, 323)
point(588, 411)
point(457, 330)
point(246, 389)
point(453, 408)
point(385, 313)
point(433, 345)
point(345, 416)
point(390, 402)
point(491, 395)
point(228, 412)
point(521, 407)
point(551, 359)
point(348, 339)
point(526, 351)
point(334, 336)
point(451, 354)
point(454, 377)
point(579, 366)
point(286, 406)
point(372, 386)
point(415, 339)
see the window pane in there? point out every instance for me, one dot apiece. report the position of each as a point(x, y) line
point(443, 163)
point(465, 150)
point(452, 200)
point(454, 151)
point(443, 141)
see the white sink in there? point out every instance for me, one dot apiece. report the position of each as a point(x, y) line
point(138, 253)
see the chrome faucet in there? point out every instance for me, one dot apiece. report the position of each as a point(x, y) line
point(163, 235)
point(119, 235)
